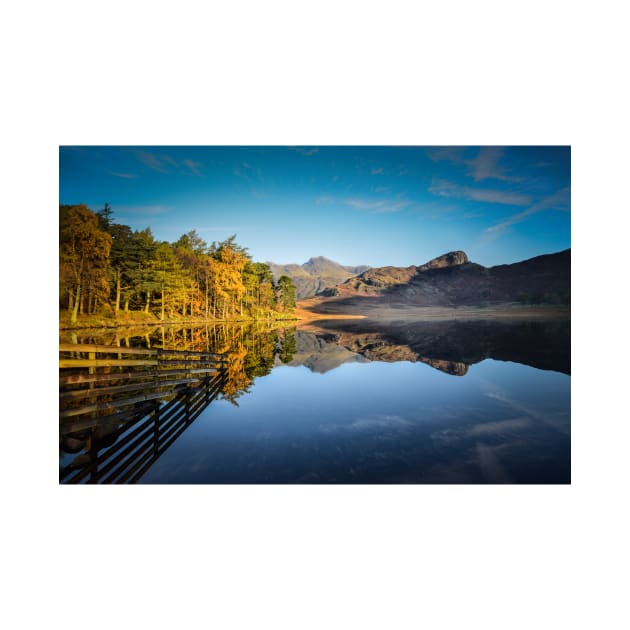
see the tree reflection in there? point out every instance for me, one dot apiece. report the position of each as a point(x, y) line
point(251, 348)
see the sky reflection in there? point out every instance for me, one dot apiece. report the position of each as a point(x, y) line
point(382, 423)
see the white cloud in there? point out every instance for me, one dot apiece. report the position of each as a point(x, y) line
point(445, 188)
point(165, 164)
point(448, 154)
point(486, 166)
point(377, 205)
point(153, 161)
point(124, 175)
point(193, 167)
point(560, 200)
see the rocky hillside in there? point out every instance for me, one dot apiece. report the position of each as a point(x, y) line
point(315, 274)
point(452, 280)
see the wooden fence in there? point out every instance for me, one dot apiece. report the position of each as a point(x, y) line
point(120, 413)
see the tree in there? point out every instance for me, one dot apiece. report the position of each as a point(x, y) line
point(121, 262)
point(103, 260)
point(141, 271)
point(193, 242)
point(166, 273)
point(105, 218)
point(84, 255)
point(285, 293)
point(230, 260)
point(191, 251)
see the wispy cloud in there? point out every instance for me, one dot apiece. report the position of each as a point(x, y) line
point(240, 172)
point(377, 171)
point(252, 175)
point(486, 166)
point(370, 423)
point(500, 426)
point(560, 200)
point(377, 205)
point(304, 150)
point(124, 175)
point(165, 164)
point(490, 465)
point(193, 167)
point(367, 204)
point(382, 189)
point(153, 161)
point(444, 188)
point(446, 154)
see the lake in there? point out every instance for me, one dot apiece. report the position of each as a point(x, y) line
point(355, 402)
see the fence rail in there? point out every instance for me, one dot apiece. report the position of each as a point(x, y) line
point(120, 414)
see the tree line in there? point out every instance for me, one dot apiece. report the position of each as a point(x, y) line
point(106, 267)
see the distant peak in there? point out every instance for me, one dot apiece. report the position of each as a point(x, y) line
point(451, 259)
point(314, 259)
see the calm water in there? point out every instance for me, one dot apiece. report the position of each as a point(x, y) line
point(429, 403)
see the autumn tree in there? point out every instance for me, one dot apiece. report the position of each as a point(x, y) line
point(230, 260)
point(83, 255)
point(101, 260)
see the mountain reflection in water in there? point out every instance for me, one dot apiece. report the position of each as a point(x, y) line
point(364, 423)
point(453, 345)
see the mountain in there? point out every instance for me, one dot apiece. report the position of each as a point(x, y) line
point(315, 274)
point(321, 353)
point(452, 280)
point(451, 346)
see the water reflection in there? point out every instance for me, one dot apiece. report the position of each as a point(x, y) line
point(369, 413)
point(117, 449)
point(452, 346)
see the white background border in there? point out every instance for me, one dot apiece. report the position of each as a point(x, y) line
point(324, 73)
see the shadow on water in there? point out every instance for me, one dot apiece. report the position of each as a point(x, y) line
point(112, 431)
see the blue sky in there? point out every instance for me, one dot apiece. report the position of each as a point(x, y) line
point(354, 204)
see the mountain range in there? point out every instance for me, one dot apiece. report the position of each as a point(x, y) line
point(452, 280)
point(315, 274)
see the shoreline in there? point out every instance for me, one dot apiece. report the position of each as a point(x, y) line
point(410, 314)
point(382, 314)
